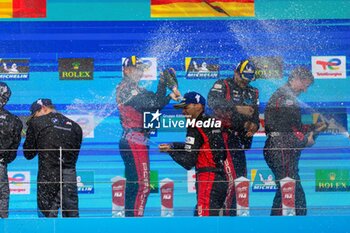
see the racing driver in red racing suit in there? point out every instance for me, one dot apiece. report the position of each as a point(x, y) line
point(133, 101)
point(204, 149)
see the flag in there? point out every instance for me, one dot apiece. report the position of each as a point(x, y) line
point(22, 8)
point(202, 8)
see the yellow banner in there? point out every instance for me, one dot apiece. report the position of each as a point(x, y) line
point(6, 9)
point(218, 9)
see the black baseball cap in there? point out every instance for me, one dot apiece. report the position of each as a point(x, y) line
point(38, 104)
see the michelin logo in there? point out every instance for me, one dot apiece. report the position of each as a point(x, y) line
point(265, 182)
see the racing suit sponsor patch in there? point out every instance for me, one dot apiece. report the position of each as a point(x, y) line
point(289, 102)
point(217, 86)
point(188, 148)
point(190, 140)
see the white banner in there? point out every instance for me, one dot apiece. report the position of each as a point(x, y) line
point(86, 122)
point(329, 67)
point(191, 181)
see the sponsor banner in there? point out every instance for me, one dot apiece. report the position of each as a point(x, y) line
point(336, 118)
point(150, 73)
point(85, 182)
point(191, 181)
point(19, 182)
point(154, 181)
point(329, 67)
point(202, 68)
point(332, 180)
point(167, 197)
point(242, 196)
point(14, 69)
point(118, 196)
point(200, 8)
point(268, 67)
point(76, 68)
point(261, 130)
point(86, 122)
point(288, 196)
point(263, 181)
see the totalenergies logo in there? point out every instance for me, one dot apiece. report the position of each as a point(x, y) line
point(332, 67)
point(332, 64)
point(82, 121)
point(19, 182)
point(17, 179)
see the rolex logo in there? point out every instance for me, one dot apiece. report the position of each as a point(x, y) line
point(332, 176)
point(76, 68)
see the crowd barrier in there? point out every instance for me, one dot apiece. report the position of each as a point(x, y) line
point(324, 175)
